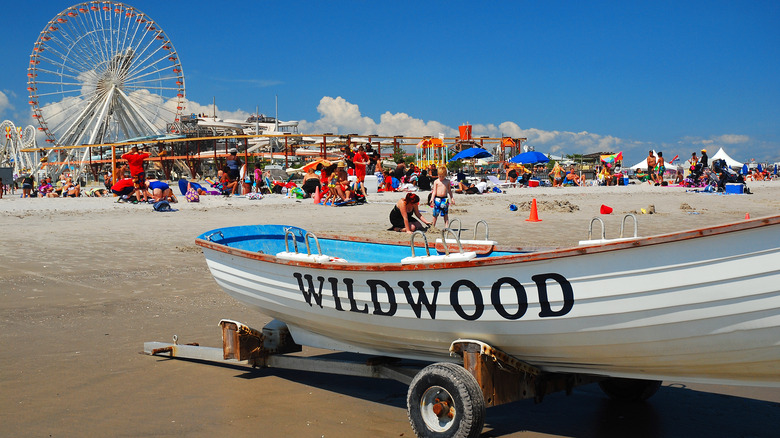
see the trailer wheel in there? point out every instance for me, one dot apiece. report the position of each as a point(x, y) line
point(629, 389)
point(445, 400)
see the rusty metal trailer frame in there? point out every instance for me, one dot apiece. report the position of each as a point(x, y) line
point(500, 377)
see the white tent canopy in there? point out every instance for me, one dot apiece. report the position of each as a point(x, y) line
point(721, 154)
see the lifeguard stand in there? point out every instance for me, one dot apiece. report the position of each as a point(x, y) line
point(431, 151)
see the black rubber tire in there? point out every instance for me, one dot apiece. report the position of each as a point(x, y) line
point(466, 399)
point(629, 390)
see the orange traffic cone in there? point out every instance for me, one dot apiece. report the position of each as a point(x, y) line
point(534, 217)
point(317, 195)
point(747, 216)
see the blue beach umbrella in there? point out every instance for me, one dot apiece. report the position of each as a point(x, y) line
point(760, 169)
point(530, 157)
point(471, 153)
point(744, 169)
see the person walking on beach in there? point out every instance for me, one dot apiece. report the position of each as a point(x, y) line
point(704, 159)
point(402, 214)
point(441, 197)
point(651, 167)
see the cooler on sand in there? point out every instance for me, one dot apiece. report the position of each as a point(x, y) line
point(372, 183)
point(735, 188)
point(533, 183)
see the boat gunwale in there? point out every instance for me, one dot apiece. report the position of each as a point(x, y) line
point(542, 255)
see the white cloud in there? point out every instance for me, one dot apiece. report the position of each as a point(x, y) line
point(5, 104)
point(732, 139)
point(339, 116)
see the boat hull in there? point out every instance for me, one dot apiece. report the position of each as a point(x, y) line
point(698, 306)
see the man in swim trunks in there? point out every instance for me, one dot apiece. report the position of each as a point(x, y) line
point(441, 197)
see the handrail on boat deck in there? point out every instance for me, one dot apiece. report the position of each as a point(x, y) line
point(289, 232)
point(457, 239)
point(316, 240)
point(411, 243)
point(215, 233)
point(590, 229)
point(476, 226)
point(460, 224)
point(623, 223)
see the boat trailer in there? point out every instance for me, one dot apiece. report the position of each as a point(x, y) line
point(444, 398)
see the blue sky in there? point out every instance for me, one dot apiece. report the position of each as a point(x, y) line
point(573, 77)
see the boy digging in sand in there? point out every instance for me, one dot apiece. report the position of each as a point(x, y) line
point(441, 197)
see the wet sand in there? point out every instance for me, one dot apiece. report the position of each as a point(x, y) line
point(84, 282)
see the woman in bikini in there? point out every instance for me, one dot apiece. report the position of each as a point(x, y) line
point(402, 215)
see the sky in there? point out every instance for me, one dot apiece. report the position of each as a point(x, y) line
point(572, 77)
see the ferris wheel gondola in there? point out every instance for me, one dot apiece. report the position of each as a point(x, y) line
point(103, 72)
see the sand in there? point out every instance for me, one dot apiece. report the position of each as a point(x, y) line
point(84, 282)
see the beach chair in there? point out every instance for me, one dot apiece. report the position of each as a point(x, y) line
point(498, 183)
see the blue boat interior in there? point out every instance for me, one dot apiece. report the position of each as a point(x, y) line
point(270, 239)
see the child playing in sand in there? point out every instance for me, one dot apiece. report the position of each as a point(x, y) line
point(441, 197)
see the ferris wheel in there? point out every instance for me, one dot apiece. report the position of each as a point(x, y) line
point(103, 72)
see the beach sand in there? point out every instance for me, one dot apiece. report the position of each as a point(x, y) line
point(85, 282)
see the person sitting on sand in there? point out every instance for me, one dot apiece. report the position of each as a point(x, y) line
point(402, 214)
point(605, 176)
point(311, 181)
point(343, 188)
point(441, 197)
point(424, 181)
point(511, 174)
point(71, 190)
point(46, 190)
point(228, 185)
point(571, 178)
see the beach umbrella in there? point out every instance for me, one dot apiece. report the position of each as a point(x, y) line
point(760, 169)
point(530, 157)
point(744, 169)
point(474, 152)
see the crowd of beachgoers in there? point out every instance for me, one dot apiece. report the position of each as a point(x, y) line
point(345, 181)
